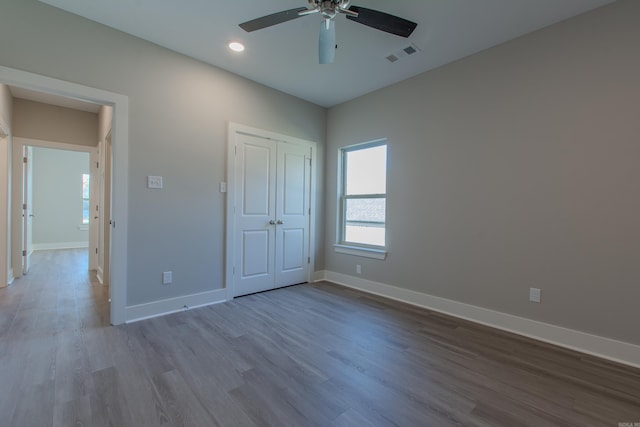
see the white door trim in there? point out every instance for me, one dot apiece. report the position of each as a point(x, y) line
point(120, 104)
point(6, 273)
point(230, 223)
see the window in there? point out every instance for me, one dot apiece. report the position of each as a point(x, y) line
point(364, 196)
point(85, 198)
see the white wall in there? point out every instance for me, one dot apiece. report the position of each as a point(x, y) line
point(179, 110)
point(514, 168)
point(6, 109)
point(57, 198)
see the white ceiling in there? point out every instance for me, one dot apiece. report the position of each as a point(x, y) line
point(285, 56)
point(60, 101)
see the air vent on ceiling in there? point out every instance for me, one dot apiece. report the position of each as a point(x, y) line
point(409, 50)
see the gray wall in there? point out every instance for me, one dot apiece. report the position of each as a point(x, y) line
point(179, 110)
point(513, 168)
point(52, 123)
point(57, 196)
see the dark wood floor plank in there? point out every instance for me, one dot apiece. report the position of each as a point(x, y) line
point(75, 413)
point(181, 404)
point(308, 355)
point(108, 404)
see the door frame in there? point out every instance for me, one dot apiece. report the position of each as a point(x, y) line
point(18, 184)
point(234, 129)
point(27, 212)
point(6, 273)
point(120, 188)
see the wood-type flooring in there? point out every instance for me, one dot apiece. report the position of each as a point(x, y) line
point(308, 355)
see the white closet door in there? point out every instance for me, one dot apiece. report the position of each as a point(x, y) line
point(255, 210)
point(292, 214)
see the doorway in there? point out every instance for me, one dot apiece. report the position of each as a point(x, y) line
point(119, 199)
point(52, 198)
point(56, 198)
point(270, 211)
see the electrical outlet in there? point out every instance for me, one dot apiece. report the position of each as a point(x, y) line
point(167, 277)
point(358, 269)
point(534, 294)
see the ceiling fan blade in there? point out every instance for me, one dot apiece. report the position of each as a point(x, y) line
point(273, 19)
point(327, 42)
point(382, 21)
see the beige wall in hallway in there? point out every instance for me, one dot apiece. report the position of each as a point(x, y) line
point(35, 120)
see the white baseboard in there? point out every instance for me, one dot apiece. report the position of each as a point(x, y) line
point(318, 276)
point(99, 275)
point(61, 245)
point(606, 348)
point(11, 277)
point(174, 305)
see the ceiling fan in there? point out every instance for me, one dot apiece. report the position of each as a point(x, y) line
point(329, 9)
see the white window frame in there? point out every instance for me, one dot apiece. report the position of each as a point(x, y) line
point(354, 248)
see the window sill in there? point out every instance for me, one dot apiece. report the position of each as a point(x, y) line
point(360, 251)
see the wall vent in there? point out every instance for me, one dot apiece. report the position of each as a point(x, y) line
point(409, 50)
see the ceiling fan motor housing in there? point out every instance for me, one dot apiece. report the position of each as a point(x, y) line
point(329, 8)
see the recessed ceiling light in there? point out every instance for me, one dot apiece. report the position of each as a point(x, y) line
point(236, 46)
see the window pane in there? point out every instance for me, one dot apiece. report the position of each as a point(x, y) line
point(85, 185)
point(366, 171)
point(366, 210)
point(85, 211)
point(365, 221)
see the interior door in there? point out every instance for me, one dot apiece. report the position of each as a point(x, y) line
point(255, 198)
point(292, 214)
point(27, 210)
point(106, 213)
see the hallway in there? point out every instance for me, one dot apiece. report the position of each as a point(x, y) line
point(52, 326)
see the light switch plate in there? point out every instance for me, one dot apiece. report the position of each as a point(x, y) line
point(154, 182)
point(223, 187)
point(167, 277)
point(534, 294)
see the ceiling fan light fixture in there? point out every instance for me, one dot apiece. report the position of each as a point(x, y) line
point(236, 46)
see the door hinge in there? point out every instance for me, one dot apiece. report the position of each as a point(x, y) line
point(234, 271)
point(97, 165)
point(235, 150)
point(24, 253)
point(24, 160)
point(24, 206)
point(96, 250)
point(309, 211)
point(308, 260)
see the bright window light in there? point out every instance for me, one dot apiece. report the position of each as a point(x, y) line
point(364, 195)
